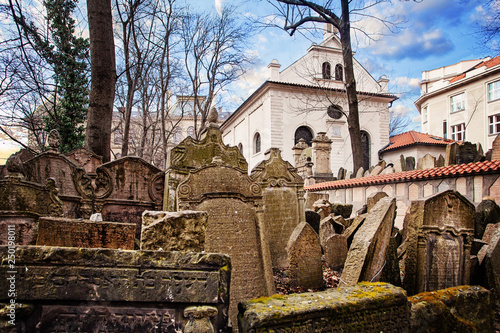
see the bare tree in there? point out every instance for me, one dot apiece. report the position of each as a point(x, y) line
point(214, 57)
point(398, 122)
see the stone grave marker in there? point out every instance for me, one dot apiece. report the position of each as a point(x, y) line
point(86, 159)
point(410, 163)
point(360, 172)
point(388, 170)
point(440, 161)
point(426, 162)
point(353, 228)
point(235, 226)
point(492, 263)
point(376, 170)
point(107, 290)
point(368, 251)
point(374, 198)
point(304, 253)
point(438, 238)
point(174, 231)
point(66, 232)
point(488, 232)
point(341, 209)
point(466, 153)
point(487, 212)
point(283, 197)
point(451, 154)
point(323, 208)
point(335, 249)
point(495, 148)
point(314, 219)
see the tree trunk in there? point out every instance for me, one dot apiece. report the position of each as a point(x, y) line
point(103, 78)
point(350, 85)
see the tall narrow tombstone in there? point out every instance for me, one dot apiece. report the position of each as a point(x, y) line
point(283, 196)
point(466, 153)
point(451, 154)
point(367, 254)
point(438, 237)
point(410, 163)
point(234, 226)
point(440, 161)
point(335, 249)
point(492, 263)
point(304, 252)
point(487, 212)
point(314, 219)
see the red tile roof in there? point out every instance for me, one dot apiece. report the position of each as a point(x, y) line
point(442, 172)
point(413, 138)
point(487, 63)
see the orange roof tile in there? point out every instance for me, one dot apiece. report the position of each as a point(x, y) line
point(488, 63)
point(458, 77)
point(442, 172)
point(413, 138)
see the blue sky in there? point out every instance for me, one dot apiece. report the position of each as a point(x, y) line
point(433, 33)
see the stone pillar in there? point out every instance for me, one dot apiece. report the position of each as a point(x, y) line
point(297, 151)
point(322, 147)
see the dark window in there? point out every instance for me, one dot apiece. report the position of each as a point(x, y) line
point(257, 143)
point(326, 71)
point(365, 145)
point(334, 111)
point(339, 73)
point(445, 129)
point(305, 133)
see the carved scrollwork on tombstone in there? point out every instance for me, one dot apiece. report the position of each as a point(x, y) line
point(184, 189)
point(199, 319)
point(83, 183)
point(56, 205)
point(103, 184)
point(255, 189)
point(156, 187)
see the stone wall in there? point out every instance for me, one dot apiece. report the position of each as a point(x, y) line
point(105, 290)
point(474, 188)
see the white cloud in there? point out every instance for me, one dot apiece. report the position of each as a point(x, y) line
point(253, 79)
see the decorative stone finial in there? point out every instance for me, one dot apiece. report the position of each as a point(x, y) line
point(213, 116)
point(14, 165)
point(54, 140)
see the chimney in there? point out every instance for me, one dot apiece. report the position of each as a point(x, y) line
point(274, 70)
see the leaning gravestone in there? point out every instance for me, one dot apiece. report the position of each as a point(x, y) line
point(335, 249)
point(314, 219)
point(304, 253)
point(234, 226)
point(174, 231)
point(367, 254)
point(326, 230)
point(283, 196)
point(492, 263)
point(487, 212)
point(439, 232)
point(374, 198)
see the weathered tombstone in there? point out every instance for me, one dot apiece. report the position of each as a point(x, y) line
point(374, 198)
point(341, 174)
point(325, 230)
point(313, 219)
point(366, 174)
point(388, 170)
point(451, 154)
point(401, 164)
point(107, 290)
point(304, 253)
point(495, 148)
point(440, 161)
point(341, 209)
point(335, 249)
point(126, 187)
point(86, 159)
point(353, 228)
point(492, 263)
point(192, 154)
point(283, 196)
point(235, 226)
point(391, 272)
point(360, 172)
point(487, 212)
point(410, 163)
point(312, 197)
point(323, 208)
point(376, 170)
point(488, 232)
point(367, 307)
point(322, 146)
point(65, 232)
point(174, 231)
point(368, 251)
point(439, 233)
point(480, 154)
point(426, 162)
point(466, 153)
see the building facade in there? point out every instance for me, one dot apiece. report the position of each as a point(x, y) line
point(308, 98)
point(462, 101)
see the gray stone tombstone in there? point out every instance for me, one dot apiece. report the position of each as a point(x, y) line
point(304, 253)
point(283, 196)
point(388, 170)
point(374, 198)
point(234, 226)
point(344, 210)
point(492, 263)
point(438, 238)
point(335, 249)
point(426, 162)
point(440, 161)
point(360, 172)
point(487, 212)
point(451, 154)
point(466, 153)
point(368, 251)
point(410, 163)
point(313, 219)
point(376, 170)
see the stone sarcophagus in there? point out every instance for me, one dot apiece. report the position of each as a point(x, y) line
point(439, 232)
point(105, 290)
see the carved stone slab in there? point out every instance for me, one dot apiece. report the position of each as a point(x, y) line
point(115, 290)
point(85, 234)
point(366, 307)
point(438, 237)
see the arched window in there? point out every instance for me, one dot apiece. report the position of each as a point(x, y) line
point(339, 72)
point(190, 131)
point(365, 145)
point(240, 147)
point(326, 71)
point(303, 132)
point(256, 143)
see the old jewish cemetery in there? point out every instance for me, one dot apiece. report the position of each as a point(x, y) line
point(206, 245)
